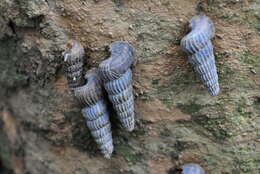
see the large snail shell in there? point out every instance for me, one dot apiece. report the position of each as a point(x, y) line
point(117, 77)
point(192, 169)
point(198, 46)
point(95, 112)
point(73, 58)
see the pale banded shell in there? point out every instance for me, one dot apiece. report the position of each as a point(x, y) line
point(119, 85)
point(73, 58)
point(116, 74)
point(121, 95)
point(99, 108)
point(95, 112)
point(192, 169)
point(198, 46)
point(202, 56)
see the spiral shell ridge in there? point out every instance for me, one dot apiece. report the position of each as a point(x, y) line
point(116, 74)
point(95, 112)
point(197, 44)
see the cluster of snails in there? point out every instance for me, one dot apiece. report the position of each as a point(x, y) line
point(114, 75)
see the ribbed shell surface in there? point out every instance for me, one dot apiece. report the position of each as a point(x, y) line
point(116, 74)
point(121, 59)
point(202, 30)
point(197, 44)
point(97, 120)
point(73, 58)
point(95, 112)
point(192, 169)
point(121, 95)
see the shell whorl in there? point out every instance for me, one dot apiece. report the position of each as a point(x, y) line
point(197, 44)
point(192, 169)
point(91, 92)
point(73, 58)
point(95, 112)
point(116, 74)
point(121, 59)
point(202, 30)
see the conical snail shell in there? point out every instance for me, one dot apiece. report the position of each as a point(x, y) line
point(198, 46)
point(116, 74)
point(89, 93)
point(192, 169)
point(95, 112)
point(73, 58)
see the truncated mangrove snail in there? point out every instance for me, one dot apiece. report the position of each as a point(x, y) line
point(192, 169)
point(73, 58)
point(197, 44)
point(116, 74)
point(95, 112)
point(89, 93)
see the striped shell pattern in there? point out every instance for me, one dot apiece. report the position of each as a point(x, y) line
point(116, 74)
point(90, 95)
point(73, 59)
point(192, 169)
point(197, 44)
point(95, 112)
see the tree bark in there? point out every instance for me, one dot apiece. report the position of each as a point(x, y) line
point(41, 126)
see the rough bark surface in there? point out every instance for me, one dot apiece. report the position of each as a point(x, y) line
point(41, 126)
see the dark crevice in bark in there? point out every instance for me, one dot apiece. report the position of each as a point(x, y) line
point(4, 170)
point(47, 2)
point(175, 171)
point(12, 26)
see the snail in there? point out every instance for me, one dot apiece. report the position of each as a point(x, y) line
point(116, 75)
point(73, 58)
point(89, 92)
point(192, 169)
point(197, 44)
point(95, 112)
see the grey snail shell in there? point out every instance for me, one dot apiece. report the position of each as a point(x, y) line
point(95, 112)
point(89, 92)
point(73, 58)
point(197, 44)
point(116, 74)
point(192, 169)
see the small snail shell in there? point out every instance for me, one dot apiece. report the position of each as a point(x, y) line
point(116, 74)
point(95, 112)
point(73, 58)
point(197, 44)
point(192, 169)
